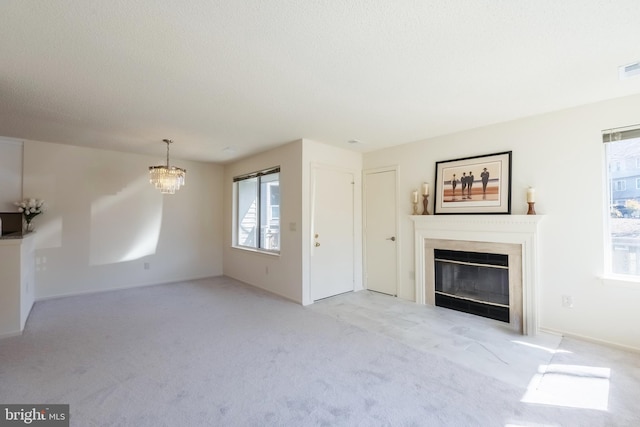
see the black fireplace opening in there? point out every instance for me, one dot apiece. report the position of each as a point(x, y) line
point(473, 282)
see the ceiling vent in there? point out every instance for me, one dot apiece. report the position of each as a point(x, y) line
point(629, 70)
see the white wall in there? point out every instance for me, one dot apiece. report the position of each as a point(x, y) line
point(105, 221)
point(288, 273)
point(561, 154)
point(284, 275)
point(10, 174)
point(317, 154)
point(10, 278)
point(280, 274)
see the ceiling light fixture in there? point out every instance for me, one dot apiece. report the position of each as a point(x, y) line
point(229, 150)
point(167, 179)
point(629, 70)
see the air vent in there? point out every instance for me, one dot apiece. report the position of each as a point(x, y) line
point(629, 70)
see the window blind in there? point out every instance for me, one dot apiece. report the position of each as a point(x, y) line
point(256, 174)
point(621, 134)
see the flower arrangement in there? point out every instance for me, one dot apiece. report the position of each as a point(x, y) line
point(30, 209)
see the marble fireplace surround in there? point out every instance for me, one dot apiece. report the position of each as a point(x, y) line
point(514, 235)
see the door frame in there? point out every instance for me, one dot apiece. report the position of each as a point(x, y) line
point(366, 172)
point(314, 167)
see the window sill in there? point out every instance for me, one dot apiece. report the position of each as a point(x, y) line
point(256, 251)
point(621, 281)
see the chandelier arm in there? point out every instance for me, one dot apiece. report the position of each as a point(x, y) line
point(168, 141)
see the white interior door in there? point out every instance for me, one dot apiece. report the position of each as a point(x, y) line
point(332, 239)
point(381, 262)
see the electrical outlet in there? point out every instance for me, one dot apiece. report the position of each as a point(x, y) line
point(266, 270)
point(567, 301)
point(147, 266)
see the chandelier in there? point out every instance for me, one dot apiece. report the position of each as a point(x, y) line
point(167, 179)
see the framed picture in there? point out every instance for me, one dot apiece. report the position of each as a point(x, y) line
point(474, 185)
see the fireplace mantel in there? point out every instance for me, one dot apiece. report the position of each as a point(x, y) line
point(511, 229)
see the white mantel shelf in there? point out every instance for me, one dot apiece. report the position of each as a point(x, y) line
point(511, 229)
point(472, 222)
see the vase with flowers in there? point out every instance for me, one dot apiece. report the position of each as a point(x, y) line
point(30, 208)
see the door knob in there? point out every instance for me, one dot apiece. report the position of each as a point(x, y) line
point(392, 238)
point(317, 244)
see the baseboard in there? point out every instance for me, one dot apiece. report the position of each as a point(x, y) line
point(118, 288)
point(592, 340)
point(550, 332)
point(10, 334)
point(265, 289)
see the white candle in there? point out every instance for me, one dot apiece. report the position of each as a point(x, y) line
point(425, 189)
point(531, 195)
point(415, 196)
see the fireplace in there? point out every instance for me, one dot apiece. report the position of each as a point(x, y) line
point(511, 239)
point(472, 282)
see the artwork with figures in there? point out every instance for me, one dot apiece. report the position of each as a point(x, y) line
point(473, 185)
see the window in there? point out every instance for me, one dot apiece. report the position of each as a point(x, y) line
point(257, 219)
point(622, 146)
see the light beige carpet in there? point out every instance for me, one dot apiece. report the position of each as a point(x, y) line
point(216, 352)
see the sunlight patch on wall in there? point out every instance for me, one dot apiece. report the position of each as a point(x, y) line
point(572, 386)
point(49, 234)
point(125, 226)
point(146, 242)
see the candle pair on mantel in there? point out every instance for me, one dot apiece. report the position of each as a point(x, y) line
point(425, 198)
point(531, 200)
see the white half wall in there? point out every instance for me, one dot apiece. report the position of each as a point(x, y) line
point(560, 154)
point(106, 227)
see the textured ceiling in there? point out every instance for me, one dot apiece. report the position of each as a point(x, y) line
point(249, 75)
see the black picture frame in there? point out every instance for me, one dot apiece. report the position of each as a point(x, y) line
point(490, 192)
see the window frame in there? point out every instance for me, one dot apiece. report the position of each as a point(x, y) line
point(611, 177)
point(258, 175)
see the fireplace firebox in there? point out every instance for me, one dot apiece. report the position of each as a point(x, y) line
point(473, 282)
